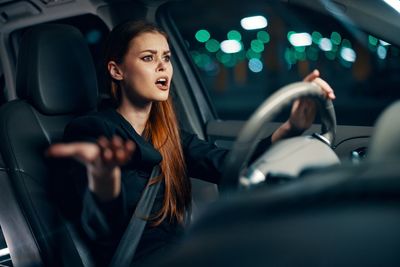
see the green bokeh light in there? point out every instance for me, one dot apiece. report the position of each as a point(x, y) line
point(346, 43)
point(336, 38)
point(202, 36)
point(252, 54)
point(300, 55)
point(257, 46)
point(316, 37)
point(372, 40)
point(234, 35)
point(223, 57)
point(263, 36)
point(290, 34)
point(212, 45)
point(241, 55)
point(228, 60)
point(300, 48)
point(201, 59)
point(312, 53)
point(330, 55)
point(290, 56)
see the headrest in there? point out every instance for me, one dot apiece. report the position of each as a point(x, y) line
point(385, 142)
point(55, 71)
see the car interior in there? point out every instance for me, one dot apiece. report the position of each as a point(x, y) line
point(327, 198)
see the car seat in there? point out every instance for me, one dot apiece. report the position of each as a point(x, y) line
point(56, 81)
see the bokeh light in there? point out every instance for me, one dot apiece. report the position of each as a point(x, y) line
point(254, 22)
point(255, 65)
point(212, 45)
point(202, 36)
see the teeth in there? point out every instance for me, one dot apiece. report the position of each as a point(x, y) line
point(162, 80)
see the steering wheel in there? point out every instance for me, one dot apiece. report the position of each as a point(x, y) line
point(246, 142)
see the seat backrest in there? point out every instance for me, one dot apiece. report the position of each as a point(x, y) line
point(56, 81)
point(385, 141)
point(346, 217)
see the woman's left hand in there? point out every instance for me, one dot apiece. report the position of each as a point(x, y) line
point(304, 109)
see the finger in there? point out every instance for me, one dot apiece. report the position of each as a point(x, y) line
point(130, 146)
point(121, 157)
point(295, 105)
point(107, 156)
point(325, 87)
point(103, 142)
point(310, 77)
point(116, 142)
point(124, 153)
point(82, 151)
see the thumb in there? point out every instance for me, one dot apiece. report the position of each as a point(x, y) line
point(83, 152)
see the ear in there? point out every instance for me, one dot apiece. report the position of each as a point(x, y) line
point(115, 71)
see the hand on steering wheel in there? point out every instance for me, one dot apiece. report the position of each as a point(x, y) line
point(304, 109)
point(238, 158)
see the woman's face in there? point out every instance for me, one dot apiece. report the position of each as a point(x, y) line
point(146, 69)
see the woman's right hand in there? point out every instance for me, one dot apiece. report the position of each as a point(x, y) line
point(102, 161)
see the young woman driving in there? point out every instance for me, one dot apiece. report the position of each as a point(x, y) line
point(118, 147)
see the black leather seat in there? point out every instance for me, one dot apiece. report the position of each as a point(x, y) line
point(56, 81)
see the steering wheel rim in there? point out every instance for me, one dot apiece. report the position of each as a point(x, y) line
point(249, 135)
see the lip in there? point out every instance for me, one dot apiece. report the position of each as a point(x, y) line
point(164, 86)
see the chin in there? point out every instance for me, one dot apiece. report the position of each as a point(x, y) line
point(163, 96)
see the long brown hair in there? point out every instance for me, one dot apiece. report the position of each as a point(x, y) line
point(161, 129)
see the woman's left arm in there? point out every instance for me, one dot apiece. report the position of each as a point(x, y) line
point(303, 111)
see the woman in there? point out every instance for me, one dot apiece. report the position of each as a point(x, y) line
point(120, 146)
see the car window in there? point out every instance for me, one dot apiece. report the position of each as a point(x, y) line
point(241, 68)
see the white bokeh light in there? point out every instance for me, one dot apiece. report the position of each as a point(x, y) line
point(231, 46)
point(348, 54)
point(325, 44)
point(300, 39)
point(253, 23)
point(382, 52)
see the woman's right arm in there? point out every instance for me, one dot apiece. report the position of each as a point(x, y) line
point(90, 142)
point(102, 161)
point(97, 180)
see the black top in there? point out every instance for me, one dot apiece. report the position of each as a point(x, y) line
point(104, 223)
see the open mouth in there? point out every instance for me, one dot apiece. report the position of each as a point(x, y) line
point(162, 83)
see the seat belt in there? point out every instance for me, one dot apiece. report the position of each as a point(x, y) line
point(127, 246)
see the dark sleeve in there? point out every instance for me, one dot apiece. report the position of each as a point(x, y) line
point(205, 160)
point(100, 221)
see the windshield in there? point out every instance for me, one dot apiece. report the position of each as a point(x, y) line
point(246, 50)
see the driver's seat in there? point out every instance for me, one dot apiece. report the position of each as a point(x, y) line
point(56, 81)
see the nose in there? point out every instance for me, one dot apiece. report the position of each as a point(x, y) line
point(161, 66)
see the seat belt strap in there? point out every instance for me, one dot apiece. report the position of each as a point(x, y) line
point(127, 246)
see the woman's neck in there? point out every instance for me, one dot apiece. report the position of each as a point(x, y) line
point(136, 116)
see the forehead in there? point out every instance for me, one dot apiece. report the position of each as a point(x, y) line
point(149, 41)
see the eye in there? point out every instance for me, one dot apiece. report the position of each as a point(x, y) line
point(147, 58)
point(167, 58)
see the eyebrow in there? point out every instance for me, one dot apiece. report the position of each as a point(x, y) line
point(155, 51)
